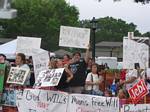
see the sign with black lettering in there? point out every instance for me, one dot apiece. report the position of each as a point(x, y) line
point(40, 62)
point(35, 100)
point(17, 75)
point(136, 108)
point(74, 37)
point(90, 103)
point(138, 91)
point(49, 77)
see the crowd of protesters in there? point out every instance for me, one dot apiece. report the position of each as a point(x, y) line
point(81, 75)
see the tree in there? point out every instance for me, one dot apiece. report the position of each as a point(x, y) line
point(110, 29)
point(147, 34)
point(40, 18)
point(136, 1)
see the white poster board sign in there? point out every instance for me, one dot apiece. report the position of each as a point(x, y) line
point(27, 44)
point(40, 62)
point(49, 77)
point(35, 100)
point(136, 108)
point(74, 37)
point(110, 62)
point(135, 51)
point(91, 103)
point(17, 75)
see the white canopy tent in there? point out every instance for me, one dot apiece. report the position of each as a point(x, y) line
point(9, 49)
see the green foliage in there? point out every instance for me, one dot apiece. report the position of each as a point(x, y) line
point(147, 34)
point(40, 18)
point(110, 29)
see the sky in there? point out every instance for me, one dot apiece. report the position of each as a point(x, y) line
point(126, 10)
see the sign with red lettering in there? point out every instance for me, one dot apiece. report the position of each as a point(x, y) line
point(138, 91)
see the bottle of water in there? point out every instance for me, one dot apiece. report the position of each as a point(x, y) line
point(113, 88)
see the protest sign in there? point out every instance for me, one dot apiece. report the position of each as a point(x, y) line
point(34, 100)
point(135, 51)
point(74, 37)
point(138, 91)
point(91, 103)
point(49, 77)
point(27, 44)
point(136, 108)
point(17, 75)
point(9, 97)
point(40, 62)
point(2, 73)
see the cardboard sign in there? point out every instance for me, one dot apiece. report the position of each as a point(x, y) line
point(136, 108)
point(36, 100)
point(138, 91)
point(40, 62)
point(17, 75)
point(74, 37)
point(135, 51)
point(50, 77)
point(91, 103)
point(27, 44)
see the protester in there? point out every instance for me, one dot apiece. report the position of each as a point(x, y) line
point(131, 79)
point(30, 64)
point(78, 68)
point(66, 59)
point(21, 63)
point(89, 65)
point(93, 81)
point(66, 77)
point(7, 66)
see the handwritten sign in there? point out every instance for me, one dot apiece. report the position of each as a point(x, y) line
point(50, 77)
point(90, 103)
point(135, 51)
point(136, 108)
point(138, 91)
point(34, 100)
point(17, 75)
point(27, 44)
point(40, 62)
point(74, 37)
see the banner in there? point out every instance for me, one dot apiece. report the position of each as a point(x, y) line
point(74, 37)
point(50, 77)
point(135, 51)
point(17, 75)
point(138, 91)
point(91, 103)
point(34, 100)
point(9, 97)
point(27, 45)
point(136, 108)
point(40, 62)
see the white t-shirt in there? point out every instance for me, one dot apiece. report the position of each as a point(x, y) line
point(94, 78)
point(129, 75)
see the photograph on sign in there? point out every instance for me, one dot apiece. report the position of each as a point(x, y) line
point(17, 75)
point(9, 97)
point(49, 77)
